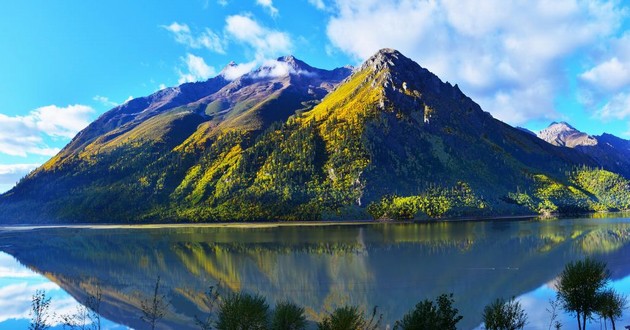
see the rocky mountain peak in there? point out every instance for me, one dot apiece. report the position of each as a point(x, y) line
point(386, 57)
point(565, 135)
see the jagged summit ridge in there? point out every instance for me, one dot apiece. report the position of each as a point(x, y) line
point(563, 134)
point(386, 57)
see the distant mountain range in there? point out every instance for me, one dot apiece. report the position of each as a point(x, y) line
point(610, 152)
point(387, 140)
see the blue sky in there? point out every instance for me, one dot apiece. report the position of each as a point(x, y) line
point(63, 63)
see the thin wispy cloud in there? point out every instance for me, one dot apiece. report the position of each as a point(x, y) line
point(104, 101)
point(206, 39)
point(319, 4)
point(268, 5)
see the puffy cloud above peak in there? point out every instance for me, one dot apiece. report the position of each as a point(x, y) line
point(197, 69)
point(265, 42)
point(276, 68)
point(264, 69)
point(497, 51)
point(233, 70)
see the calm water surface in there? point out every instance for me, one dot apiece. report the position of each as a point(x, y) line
point(392, 266)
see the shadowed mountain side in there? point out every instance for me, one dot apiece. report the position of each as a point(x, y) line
point(318, 267)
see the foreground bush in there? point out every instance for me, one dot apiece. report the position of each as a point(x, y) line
point(241, 311)
point(288, 316)
point(349, 318)
point(504, 315)
point(429, 315)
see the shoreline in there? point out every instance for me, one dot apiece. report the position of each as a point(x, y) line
point(272, 224)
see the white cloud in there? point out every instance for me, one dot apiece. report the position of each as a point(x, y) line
point(268, 69)
point(611, 75)
point(206, 39)
point(11, 268)
point(605, 86)
point(104, 100)
point(618, 107)
point(19, 137)
point(319, 4)
point(222, 2)
point(10, 174)
point(273, 69)
point(20, 284)
point(24, 135)
point(497, 51)
point(15, 301)
point(265, 42)
point(232, 72)
point(268, 4)
point(197, 69)
point(61, 121)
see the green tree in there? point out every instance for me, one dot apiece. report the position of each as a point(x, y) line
point(288, 316)
point(243, 311)
point(504, 315)
point(350, 318)
point(578, 286)
point(431, 315)
point(610, 305)
point(154, 308)
point(40, 305)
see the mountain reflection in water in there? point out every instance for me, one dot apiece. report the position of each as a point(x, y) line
point(393, 266)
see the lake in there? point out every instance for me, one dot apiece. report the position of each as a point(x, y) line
point(392, 266)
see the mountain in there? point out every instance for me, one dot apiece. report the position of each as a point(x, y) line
point(563, 134)
point(607, 150)
point(288, 141)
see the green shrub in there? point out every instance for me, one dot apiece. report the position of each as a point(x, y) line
point(288, 316)
point(504, 315)
point(243, 311)
point(429, 315)
point(349, 318)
